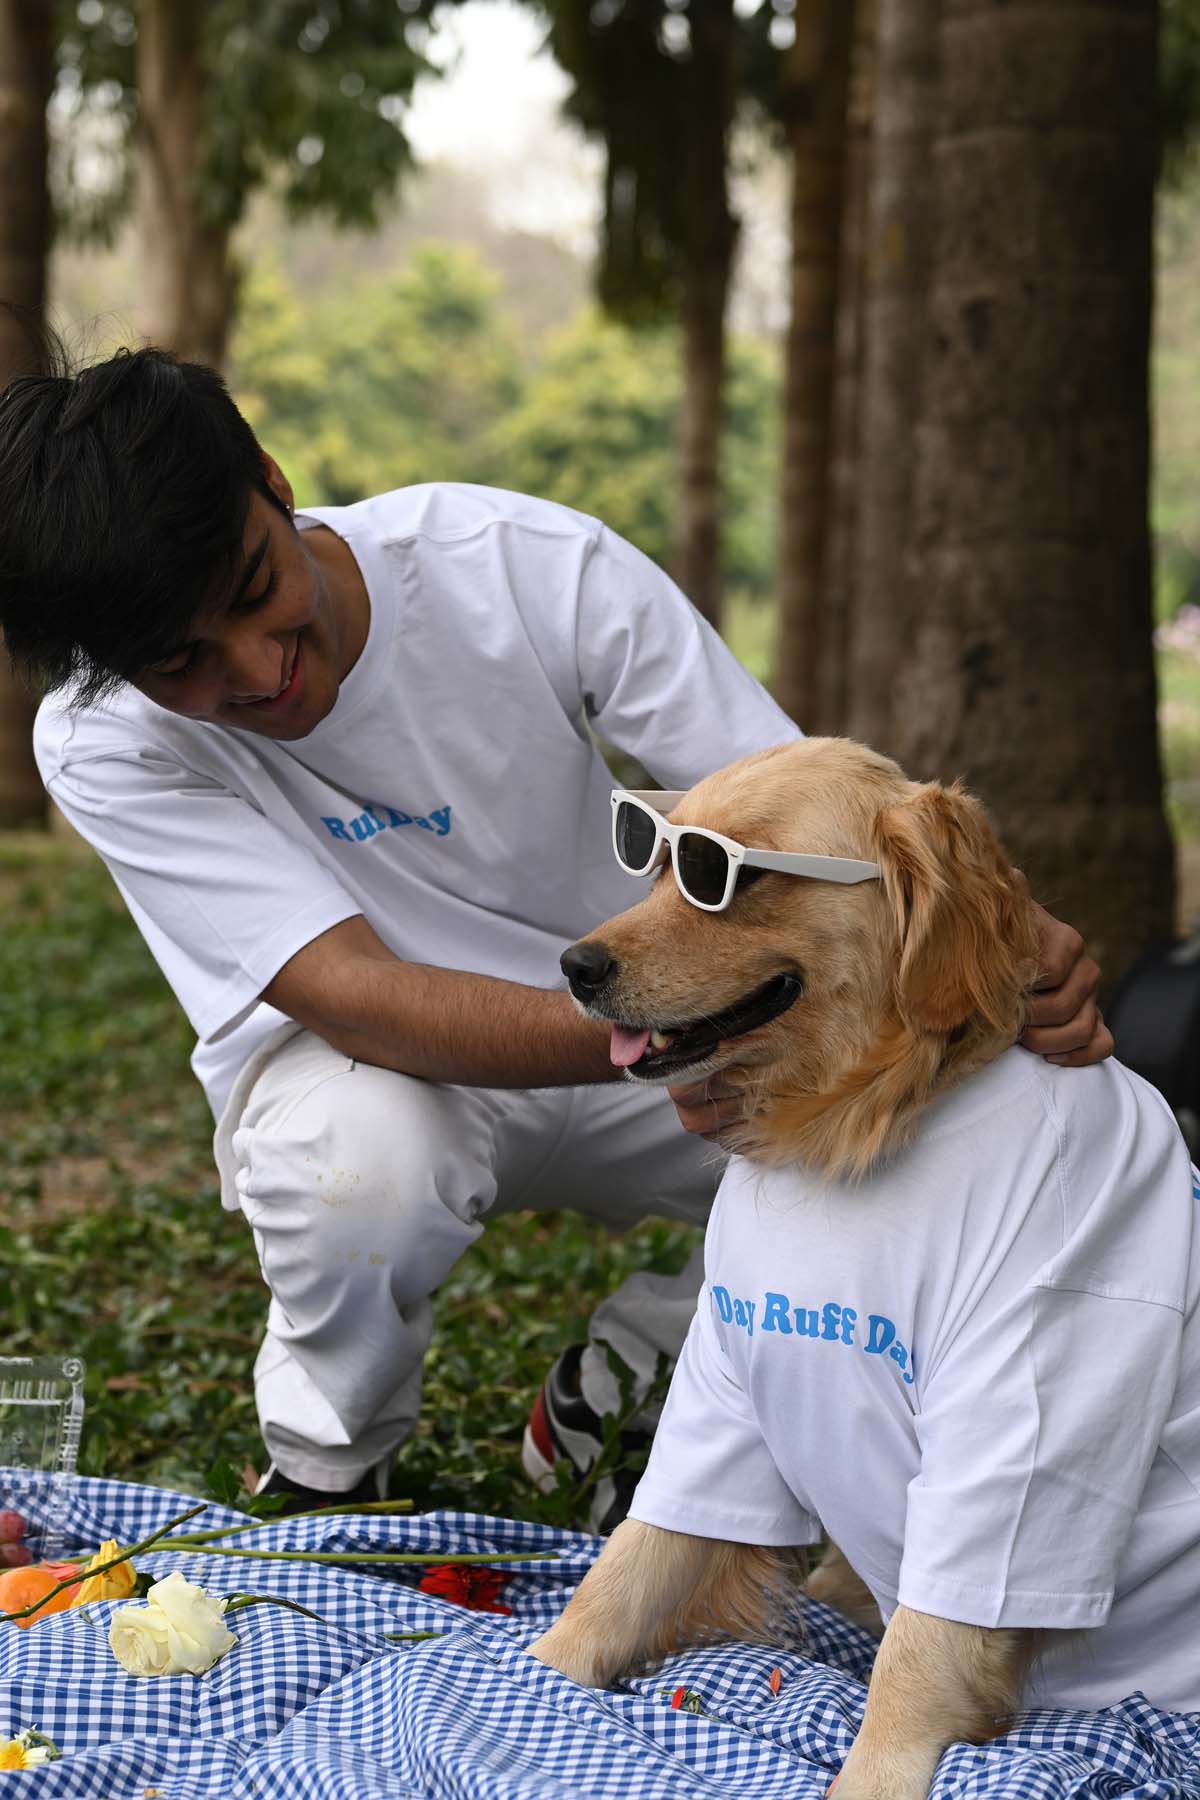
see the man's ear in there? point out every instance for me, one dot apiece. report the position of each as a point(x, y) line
point(963, 916)
point(277, 481)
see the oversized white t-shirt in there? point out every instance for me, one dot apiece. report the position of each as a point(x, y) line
point(979, 1370)
point(452, 796)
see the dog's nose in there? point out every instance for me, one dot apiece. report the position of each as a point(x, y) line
point(587, 967)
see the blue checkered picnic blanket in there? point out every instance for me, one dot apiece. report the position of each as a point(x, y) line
point(302, 1710)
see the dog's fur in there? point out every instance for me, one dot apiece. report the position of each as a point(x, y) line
point(910, 984)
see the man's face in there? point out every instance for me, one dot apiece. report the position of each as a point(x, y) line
point(270, 655)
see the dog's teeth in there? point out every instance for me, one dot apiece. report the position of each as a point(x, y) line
point(659, 1040)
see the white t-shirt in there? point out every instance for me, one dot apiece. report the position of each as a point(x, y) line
point(979, 1370)
point(452, 796)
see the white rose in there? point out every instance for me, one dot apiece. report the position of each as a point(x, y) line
point(180, 1631)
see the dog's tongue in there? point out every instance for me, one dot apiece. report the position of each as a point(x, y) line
point(627, 1046)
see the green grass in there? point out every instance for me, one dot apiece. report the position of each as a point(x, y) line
point(113, 1244)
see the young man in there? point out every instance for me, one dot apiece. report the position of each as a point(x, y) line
point(340, 767)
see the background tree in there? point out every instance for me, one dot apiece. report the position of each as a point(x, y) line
point(896, 275)
point(26, 74)
point(658, 83)
point(814, 96)
point(1029, 662)
point(210, 100)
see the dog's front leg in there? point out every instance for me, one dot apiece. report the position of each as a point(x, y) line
point(652, 1591)
point(834, 1583)
point(934, 1683)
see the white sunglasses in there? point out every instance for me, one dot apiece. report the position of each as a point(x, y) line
point(706, 864)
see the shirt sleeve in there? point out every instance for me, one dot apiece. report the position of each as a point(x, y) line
point(222, 896)
point(1037, 1437)
point(622, 646)
point(710, 1472)
point(657, 680)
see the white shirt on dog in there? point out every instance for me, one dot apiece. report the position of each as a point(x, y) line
point(979, 1370)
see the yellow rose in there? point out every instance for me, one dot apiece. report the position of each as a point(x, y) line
point(180, 1631)
point(117, 1584)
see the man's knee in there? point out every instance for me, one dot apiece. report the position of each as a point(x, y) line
point(364, 1163)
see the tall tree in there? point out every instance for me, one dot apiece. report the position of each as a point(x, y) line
point(187, 270)
point(840, 567)
point(209, 100)
point(26, 73)
point(814, 100)
point(657, 81)
point(1029, 662)
point(899, 242)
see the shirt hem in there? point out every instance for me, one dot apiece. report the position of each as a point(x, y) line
point(1032, 1608)
point(739, 1526)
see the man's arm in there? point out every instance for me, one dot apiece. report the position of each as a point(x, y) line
point(438, 1024)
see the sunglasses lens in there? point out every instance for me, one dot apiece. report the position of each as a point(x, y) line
point(703, 868)
point(636, 837)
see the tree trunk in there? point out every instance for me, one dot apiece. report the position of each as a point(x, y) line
point(697, 558)
point(710, 236)
point(818, 80)
point(1030, 667)
point(839, 600)
point(899, 233)
point(26, 75)
point(189, 278)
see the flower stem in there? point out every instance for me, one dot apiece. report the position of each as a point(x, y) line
point(239, 1603)
point(385, 1507)
point(352, 1557)
point(75, 1580)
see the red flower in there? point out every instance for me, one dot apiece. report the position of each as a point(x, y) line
point(466, 1584)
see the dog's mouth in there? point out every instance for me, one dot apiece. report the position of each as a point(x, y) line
point(654, 1053)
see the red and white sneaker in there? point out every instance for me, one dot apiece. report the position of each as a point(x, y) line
point(564, 1429)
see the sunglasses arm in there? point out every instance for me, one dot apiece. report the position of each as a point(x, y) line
point(844, 869)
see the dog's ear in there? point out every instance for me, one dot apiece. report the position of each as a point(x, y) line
point(967, 939)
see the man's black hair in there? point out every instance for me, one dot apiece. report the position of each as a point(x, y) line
point(124, 490)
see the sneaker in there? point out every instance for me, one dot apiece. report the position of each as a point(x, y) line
point(565, 1431)
point(300, 1499)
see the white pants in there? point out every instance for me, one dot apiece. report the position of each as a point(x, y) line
point(364, 1187)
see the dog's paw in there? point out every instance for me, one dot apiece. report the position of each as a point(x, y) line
point(903, 1774)
point(571, 1659)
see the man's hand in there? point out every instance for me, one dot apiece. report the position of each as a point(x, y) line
point(1065, 1023)
point(710, 1107)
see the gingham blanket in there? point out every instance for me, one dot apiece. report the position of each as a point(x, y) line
point(302, 1710)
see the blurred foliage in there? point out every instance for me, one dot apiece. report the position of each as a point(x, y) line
point(387, 382)
point(113, 1243)
point(312, 97)
point(421, 377)
point(1176, 413)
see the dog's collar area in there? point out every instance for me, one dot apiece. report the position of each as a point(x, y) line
point(691, 1042)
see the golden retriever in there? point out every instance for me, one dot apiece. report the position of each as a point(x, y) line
point(846, 1012)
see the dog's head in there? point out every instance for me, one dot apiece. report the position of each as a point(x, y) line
point(844, 1008)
